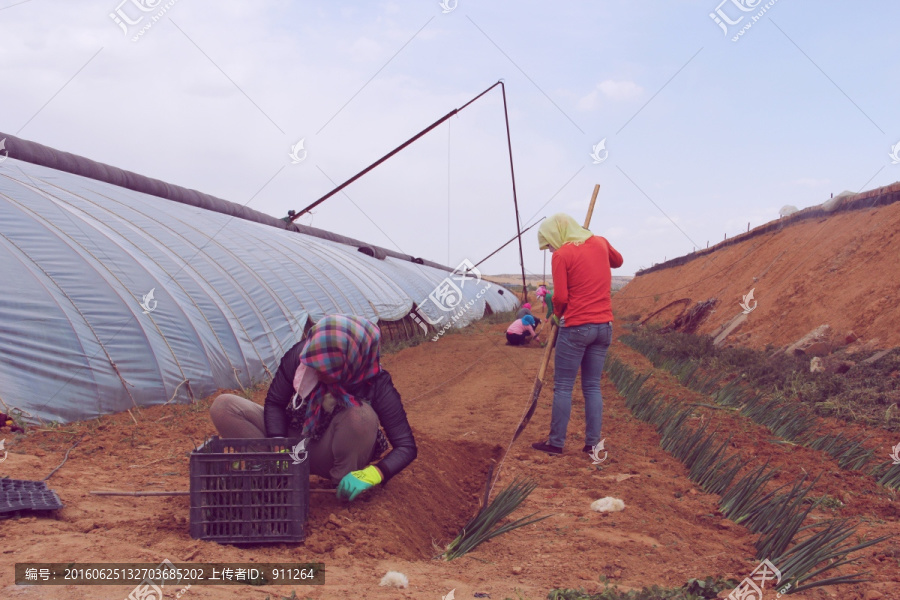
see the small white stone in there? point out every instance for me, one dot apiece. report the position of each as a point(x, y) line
point(395, 579)
point(608, 504)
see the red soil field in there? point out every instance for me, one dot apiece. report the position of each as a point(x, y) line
point(465, 395)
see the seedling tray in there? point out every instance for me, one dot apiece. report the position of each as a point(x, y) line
point(18, 495)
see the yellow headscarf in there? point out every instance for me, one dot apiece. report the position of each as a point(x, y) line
point(561, 229)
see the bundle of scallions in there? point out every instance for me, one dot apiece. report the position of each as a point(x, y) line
point(487, 523)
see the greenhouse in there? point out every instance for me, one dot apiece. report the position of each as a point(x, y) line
point(123, 291)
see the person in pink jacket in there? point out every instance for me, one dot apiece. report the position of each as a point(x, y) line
point(521, 331)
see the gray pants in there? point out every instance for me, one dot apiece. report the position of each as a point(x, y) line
point(347, 445)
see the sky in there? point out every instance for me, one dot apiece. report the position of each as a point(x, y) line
point(700, 128)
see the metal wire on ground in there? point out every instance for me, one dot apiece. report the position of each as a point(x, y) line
point(65, 458)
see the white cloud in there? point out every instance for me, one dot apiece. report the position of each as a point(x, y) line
point(613, 90)
point(620, 90)
point(588, 102)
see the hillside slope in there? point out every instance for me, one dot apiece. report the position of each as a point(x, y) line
point(839, 269)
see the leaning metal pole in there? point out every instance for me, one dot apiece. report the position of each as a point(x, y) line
point(515, 200)
point(398, 149)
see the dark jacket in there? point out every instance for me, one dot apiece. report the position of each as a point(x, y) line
point(379, 391)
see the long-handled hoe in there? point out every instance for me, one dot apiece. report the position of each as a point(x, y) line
point(486, 523)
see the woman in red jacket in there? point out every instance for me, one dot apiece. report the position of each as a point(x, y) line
point(581, 301)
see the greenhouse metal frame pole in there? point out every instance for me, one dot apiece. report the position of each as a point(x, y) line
point(391, 153)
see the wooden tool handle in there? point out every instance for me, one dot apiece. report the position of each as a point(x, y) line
point(590, 212)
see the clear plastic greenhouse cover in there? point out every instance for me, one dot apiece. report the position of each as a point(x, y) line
point(112, 298)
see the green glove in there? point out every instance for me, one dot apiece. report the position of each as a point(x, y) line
point(356, 482)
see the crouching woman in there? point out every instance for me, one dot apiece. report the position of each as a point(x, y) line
point(331, 389)
point(521, 331)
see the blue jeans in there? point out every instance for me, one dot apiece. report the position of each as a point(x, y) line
point(584, 346)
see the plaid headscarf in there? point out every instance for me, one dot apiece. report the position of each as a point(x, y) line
point(344, 352)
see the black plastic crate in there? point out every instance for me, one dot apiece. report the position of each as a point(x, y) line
point(248, 491)
point(18, 495)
